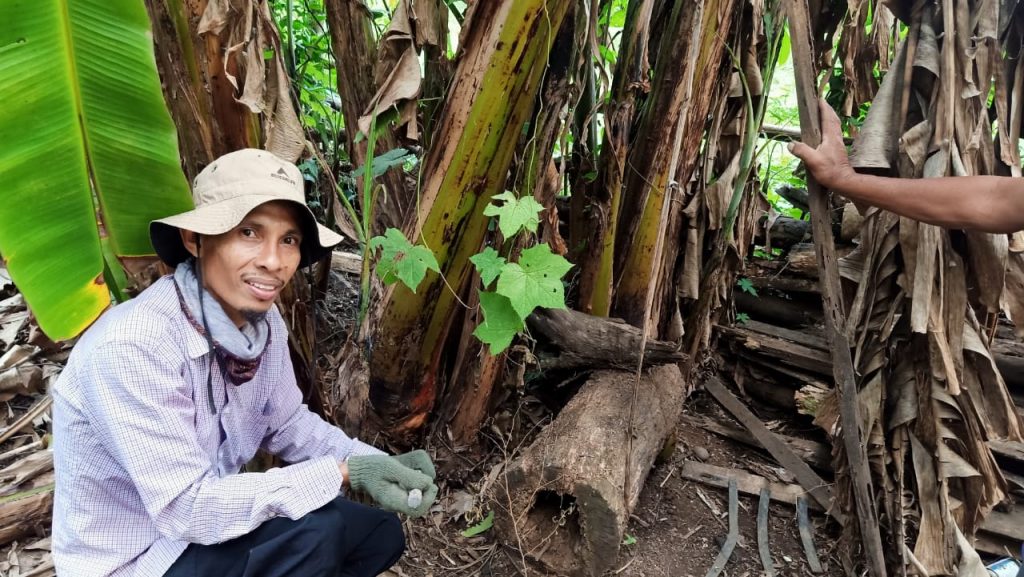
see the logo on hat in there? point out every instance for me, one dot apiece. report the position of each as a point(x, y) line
point(281, 174)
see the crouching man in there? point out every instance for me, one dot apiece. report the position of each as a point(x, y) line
point(166, 397)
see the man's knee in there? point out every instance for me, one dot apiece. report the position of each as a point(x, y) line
point(390, 531)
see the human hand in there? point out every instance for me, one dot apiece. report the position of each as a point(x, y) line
point(829, 163)
point(388, 482)
point(418, 460)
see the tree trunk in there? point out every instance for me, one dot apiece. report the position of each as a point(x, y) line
point(505, 46)
point(601, 211)
point(355, 55)
point(578, 341)
point(652, 160)
point(476, 371)
point(199, 96)
point(587, 469)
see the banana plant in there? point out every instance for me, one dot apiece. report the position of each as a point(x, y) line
point(88, 153)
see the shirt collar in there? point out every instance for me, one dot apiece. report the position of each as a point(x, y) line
point(195, 344)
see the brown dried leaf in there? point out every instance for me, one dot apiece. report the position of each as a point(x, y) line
point(718, 194)
point(1012, 301)
point(934, 543)
point(988, 255)
point(426, 15)
point(20, 380)
point(876, 143)
point(402, 86)
point(17, 355)
point(398, 71)
point(285, 136)
point(10, 325)
point(926, 257)
point(215, 17)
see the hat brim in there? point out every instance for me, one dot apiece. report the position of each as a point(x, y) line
point(218, 218)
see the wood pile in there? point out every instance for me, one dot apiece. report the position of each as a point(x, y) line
point(777, 355)
point(29, 364)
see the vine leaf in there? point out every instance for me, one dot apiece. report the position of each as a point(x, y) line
point(515, 213)
point(501, 322)
point(400, 260)
point(535, 281)
point(489, 264)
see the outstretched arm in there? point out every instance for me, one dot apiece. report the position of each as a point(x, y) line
point(982, 203)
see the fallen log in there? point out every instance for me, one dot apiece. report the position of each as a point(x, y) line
point(784, 232)
point(771, 280)
point(802, 260)
point(786, 351)
point(27, 512)
point(571, 339)
point(566, 502)
point(770, 308)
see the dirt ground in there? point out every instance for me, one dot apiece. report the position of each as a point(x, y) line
point(676, 530)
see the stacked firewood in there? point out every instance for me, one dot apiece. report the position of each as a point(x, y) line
point(777, 354)
point(29, 363)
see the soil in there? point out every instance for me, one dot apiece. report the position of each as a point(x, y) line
point(675, 531)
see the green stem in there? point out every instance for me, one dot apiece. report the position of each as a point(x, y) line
point(364, 277)
point(754, 117)
point(291, 38)
point(351, 210)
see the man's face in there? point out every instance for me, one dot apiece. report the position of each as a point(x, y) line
point(246, 267)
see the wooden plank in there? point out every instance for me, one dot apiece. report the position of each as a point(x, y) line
point(747, 483)
point(810, 337)
point(1010, 525)
point(817, 454)
point(1011, 450)
point(346, 262)
point(771, 373)
point(996, 545)
point(782, 350)
point(805, 476)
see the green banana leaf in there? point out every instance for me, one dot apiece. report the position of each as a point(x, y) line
point(87, 148)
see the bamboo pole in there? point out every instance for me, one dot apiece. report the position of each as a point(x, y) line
point(831, 293)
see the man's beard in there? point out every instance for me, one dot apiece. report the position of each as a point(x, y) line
point(253, 316)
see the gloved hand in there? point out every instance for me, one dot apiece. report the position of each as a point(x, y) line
point(418, 460)
point(388, 482)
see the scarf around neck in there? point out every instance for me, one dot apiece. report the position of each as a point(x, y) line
point(239, 351)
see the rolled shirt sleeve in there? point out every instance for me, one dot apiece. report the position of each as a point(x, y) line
point(296, 434)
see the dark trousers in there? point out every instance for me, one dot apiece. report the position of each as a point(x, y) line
point(341, 539)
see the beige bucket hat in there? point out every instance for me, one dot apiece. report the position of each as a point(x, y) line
point(226, 190)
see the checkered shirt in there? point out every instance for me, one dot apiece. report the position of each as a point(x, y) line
point(144, 468)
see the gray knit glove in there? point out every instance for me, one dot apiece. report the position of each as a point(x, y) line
point(389, 483)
